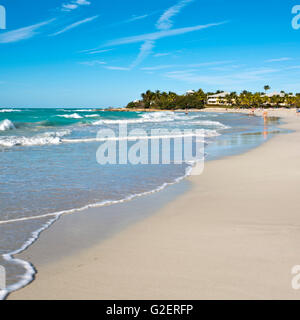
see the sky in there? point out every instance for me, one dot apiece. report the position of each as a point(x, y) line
point(94, 53)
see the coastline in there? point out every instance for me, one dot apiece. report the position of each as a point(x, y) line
point(182, 250)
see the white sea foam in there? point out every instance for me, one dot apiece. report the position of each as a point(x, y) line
point(150, 117)
point(6, 125)
point(210, 123)
point(203, 133)
point(71, 116)
point(10, 110)
point(41, 139)
point(92, 115)
point(83, 110)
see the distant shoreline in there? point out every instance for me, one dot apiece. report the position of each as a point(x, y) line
point(206, 109)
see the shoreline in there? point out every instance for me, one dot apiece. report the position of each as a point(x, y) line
point(50, 270)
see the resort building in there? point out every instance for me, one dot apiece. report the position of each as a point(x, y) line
point(190, 92)
point(218, 99)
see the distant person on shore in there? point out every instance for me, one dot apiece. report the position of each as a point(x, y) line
point(265, 115)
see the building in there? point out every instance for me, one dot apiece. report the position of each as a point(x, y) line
point(218, 99)
point(190, 92)
point(277, 94)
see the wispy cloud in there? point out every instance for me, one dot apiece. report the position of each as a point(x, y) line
point(98, 51)
point(93, 63)
point(23, 33)
point(70, 6)
point(145, 50)
point(158, 55)
point(165, 22)
point(233, 79)
point(74, 25)
point(135, 18)
point(185, 66)
point(117, 68)
point(279, 59)
point(159, 35)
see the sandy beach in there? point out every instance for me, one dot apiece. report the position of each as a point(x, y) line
point(234, 233)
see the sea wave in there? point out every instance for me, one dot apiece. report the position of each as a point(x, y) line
point(203, 133)
point(149, 117)
point(83, 110)
point(70, 116)
point(10, 110)
point(210, 123)
point(92, 115)
point(46, 138)
point(6, 125)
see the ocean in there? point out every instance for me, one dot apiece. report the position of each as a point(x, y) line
point(49, 167)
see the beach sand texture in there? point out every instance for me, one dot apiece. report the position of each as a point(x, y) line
point(234, 235)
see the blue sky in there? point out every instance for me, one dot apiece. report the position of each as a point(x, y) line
point(95, 53)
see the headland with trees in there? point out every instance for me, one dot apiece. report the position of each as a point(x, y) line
point(199, 100)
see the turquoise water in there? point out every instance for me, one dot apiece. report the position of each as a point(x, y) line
point(49, 167)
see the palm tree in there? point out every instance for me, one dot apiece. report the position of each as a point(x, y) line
point(267, 88)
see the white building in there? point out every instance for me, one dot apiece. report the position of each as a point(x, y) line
point(273, 94)
point(218, 99)
point(190, 92)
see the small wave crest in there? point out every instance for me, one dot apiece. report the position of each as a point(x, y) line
point(149, 117)
point(203, 134)
point(71, 116)
point(42, 139)
point(10, 110)
point(6, 125)
point(210, 123)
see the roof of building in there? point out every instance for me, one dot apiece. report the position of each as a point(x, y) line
point(219, 95)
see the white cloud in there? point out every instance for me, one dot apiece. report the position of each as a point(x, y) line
point(234, 79)
point(93, 63)
point(135, 18)
point(158, 55)
point(83, 2)
point(74, 5)
point(22, 33)
point(98, 51)
point(165, 21)
point(279, 59)
point(145, 50)
point(74, 25)
point(69, 6)
point(158, 35)
point(117, 68)
point(185, 66)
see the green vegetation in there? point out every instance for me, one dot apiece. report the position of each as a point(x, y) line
point(170, 100)
point(199, 100)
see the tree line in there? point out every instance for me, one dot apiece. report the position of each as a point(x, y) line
point(198, 100)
